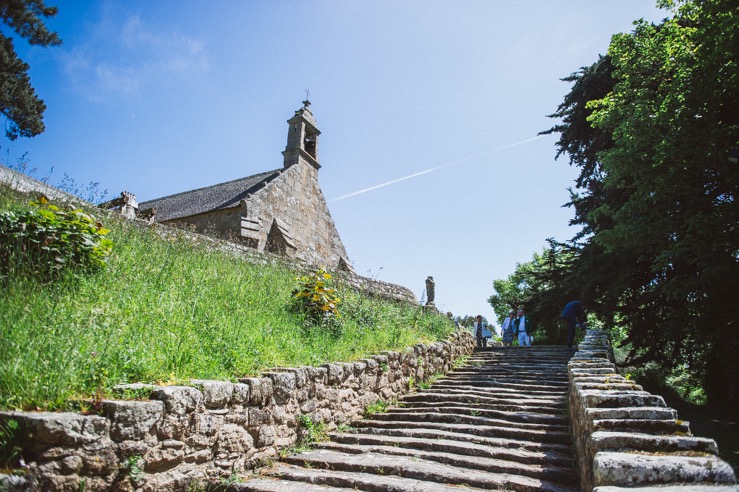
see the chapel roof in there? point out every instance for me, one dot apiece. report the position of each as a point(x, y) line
point(201, 200)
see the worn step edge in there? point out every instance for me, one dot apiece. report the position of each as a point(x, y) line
point(466, 417)
point(359, 480)
point(484, 430)
point(636, 469)
point(281, 485)
point(622, 441)
point(564, 448)
point(461, 447)
point(644, 426)
point(688, 487)
point(474, 397)
point(513, 417)
point(421, 469)
point(548, 472)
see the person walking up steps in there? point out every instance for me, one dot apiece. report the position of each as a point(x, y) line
point(523, 328)
point(507, 328)
point(481, 332)
point(574, 314)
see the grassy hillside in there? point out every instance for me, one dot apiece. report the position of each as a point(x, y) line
point(167, 310)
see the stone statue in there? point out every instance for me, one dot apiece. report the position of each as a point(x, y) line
point(430, 294)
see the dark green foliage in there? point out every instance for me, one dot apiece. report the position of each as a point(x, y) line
point(46, 242)
point(470, 320)
point(18, 100)
point(9, 443)
point(652, 127)
point(542, 287)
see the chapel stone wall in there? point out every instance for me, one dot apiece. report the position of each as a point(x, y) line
point(295, 198)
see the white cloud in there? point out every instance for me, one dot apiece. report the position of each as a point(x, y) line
point(127, 57)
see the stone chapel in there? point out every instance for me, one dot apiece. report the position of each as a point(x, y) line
point(281, 211)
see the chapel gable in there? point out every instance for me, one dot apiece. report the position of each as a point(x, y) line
point(282, 211)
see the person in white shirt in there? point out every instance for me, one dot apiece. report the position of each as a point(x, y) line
point(524, 340)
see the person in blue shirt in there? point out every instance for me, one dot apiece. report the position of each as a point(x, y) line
point(574, 314)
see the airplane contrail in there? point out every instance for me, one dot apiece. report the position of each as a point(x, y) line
point(420, 173)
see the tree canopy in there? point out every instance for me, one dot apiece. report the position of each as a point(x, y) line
point(654, 128)
point(19, 103)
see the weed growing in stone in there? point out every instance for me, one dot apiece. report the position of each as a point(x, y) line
point(380, 406)
point(9, 444)
point(135, 466)
point(311, 431)
point(345, 428)
point(424, 385)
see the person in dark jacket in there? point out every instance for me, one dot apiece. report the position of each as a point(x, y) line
point(574, 314)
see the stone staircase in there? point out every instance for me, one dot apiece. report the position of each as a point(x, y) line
point(498, 422)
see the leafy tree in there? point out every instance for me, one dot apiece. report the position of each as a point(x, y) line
point(469, 320)
point(19, 103)
point(654, 128)
point(542, 287)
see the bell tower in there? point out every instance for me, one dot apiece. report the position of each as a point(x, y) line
point(302, 138)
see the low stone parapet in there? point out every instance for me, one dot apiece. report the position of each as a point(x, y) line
point(211, 430)
point(628, 439)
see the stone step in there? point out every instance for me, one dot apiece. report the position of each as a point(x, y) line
point(550, 448)
point(515, 384)
point(505, 404)
point(523, 417)
point(476, 430)
point(509, 453)
point(556, 373)
point(635, 469)
point(552, 398)
point(534, 367)
point(645, 426)
point(648, 413)
point(422, 469)
point(498, 423)
point(625, 441)
point(616, 399)
point(494, 465)
point(670, 488)
point(467, 417)
point(453, 389)
point(282, 485)
point(294, 476)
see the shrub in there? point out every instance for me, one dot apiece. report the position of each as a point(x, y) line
point(46, 241)
point(315, 297)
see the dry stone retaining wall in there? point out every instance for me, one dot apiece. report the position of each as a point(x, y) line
point(183, 434)
point(626, 437)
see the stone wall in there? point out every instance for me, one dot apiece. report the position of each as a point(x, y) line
point(184, 434)
point(626, 437)
point(223, 224)
point(295, 198)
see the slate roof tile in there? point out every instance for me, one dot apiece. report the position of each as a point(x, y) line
point(215, 197)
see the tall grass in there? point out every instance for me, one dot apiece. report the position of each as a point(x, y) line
point(167, 310)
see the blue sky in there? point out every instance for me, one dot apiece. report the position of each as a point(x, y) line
point(162, 97)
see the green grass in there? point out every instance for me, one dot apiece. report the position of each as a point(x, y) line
point(167, 310)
